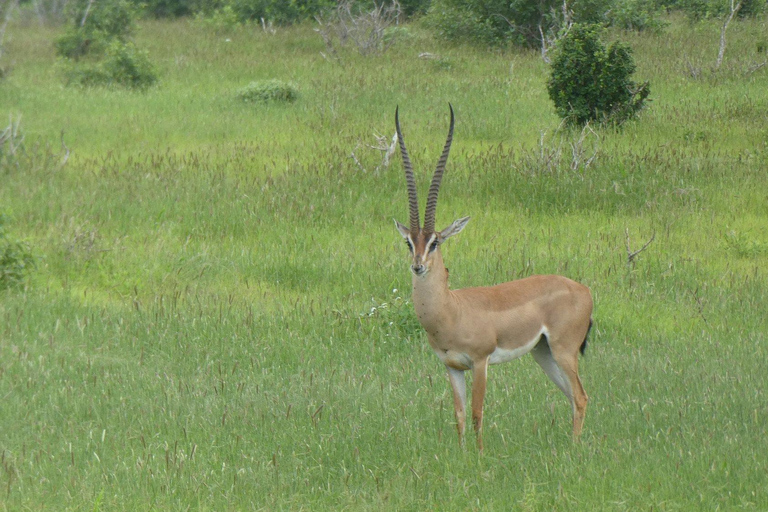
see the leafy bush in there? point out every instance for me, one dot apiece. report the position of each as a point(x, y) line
point(702, 9)
point(123, 65)
point(498, 22)
point(99, 36)
point(281, 12)
point(267, 91)
point(591, 82)
point(414, 7)
point(635, 15)
point(16, 260)
point(94, 25)
point(169, 8)
point(460, 23)
point(221, 20)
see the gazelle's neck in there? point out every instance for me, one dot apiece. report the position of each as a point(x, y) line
point(431, 297)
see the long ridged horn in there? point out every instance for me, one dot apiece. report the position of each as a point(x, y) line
point(434, 188)
point(413, 198)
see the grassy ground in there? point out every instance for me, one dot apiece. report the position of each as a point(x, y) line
point(219, 318)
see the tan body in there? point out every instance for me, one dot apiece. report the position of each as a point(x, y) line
point(548, 316)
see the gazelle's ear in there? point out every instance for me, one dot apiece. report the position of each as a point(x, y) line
point(404, 231)
point(453, 229)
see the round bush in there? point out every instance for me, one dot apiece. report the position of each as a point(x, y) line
point(590, 82)
point(267, 91)
point(124, 65)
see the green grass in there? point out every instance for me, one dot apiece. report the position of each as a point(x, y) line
point(219, 317)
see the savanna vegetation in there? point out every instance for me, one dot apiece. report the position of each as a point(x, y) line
point(207, 303)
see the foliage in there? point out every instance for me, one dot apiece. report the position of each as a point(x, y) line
point(98, 46)
point(635, 15)
point(94, 25)
point(590, 82)
point(413, 8)
point(50, 12)
point(123, 65)
point(280, 12)
point(498, 22)
point(705, 9)
point(16, 259)
point(224, 19)
point(171, 8)
point(265, 91)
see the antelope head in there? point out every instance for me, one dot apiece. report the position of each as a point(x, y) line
point(423, 241)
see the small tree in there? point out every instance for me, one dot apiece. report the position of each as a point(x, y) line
point(16, 259)
point(98, 46)
point(590, 82)
point(94, 25)
point(7, 7)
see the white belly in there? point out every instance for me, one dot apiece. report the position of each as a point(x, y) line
point(502, 355)
point(462, 361)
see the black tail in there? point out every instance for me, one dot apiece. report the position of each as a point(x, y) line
point(583, 347)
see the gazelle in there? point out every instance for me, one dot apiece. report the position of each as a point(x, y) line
point(546, 315)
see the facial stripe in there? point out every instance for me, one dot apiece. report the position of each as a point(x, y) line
point(410, 243)
point(428, 247)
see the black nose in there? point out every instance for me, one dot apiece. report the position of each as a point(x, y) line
point(418, 269)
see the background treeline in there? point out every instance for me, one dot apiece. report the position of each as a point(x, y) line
point(484, 21)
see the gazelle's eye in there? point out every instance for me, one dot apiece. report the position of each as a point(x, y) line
point(408, 243)
point(433, 246)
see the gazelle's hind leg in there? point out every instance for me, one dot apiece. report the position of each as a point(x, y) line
point(563, 370)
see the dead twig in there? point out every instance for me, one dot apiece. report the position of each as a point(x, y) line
point(65, 149)
point(630, 253)
point(368, 30)
point(735, 7)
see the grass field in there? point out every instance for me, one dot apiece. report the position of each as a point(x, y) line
point(219, 318)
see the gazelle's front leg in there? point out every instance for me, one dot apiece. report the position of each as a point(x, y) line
point(459, 387)
point(479, 377)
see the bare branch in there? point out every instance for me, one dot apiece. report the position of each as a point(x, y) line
point(368, 30)
point(87, 12)
point(556, 31)
point(65, 149)
point(7, 7)
point(721, 52)
point(11, 137)
point(357, 162)
point(630, 253)
point(267, 27)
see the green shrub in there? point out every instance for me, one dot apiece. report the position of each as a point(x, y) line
point(123, 65)
point(498, 22)
point(168, 8)
point(460, 23)
point(414, 7)
point(267, 91)
point(94, 26)
point(98, 47)
point(16, 260)
point(703, 9)
point(635, 15)
point(590, 82)
point(129, 66)
point(221, 20)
